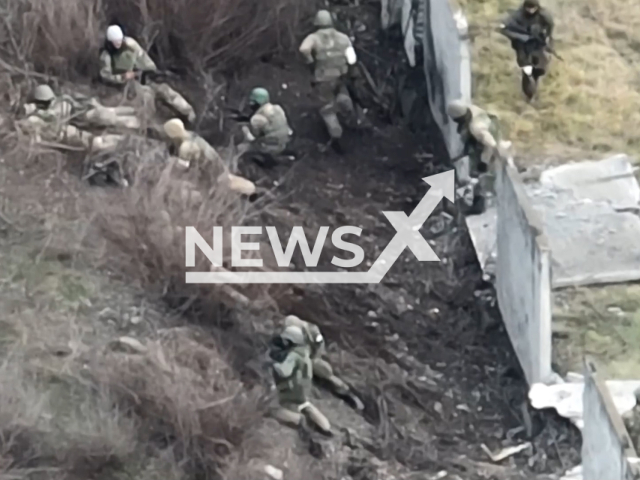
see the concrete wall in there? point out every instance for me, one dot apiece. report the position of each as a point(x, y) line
point(606, 445)
point(523, 276)
point(442, 61)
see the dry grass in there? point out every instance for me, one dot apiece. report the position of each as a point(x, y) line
point(63, 37)
point(589, 102)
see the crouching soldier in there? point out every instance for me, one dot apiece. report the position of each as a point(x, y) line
point(293, 375)
point(480, 135)
point(321, 368)
point(52, 119)
point(268, 132)
point(331, 54)
point(193, 150)
point(123, 59)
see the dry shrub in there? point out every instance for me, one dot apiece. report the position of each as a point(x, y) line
point(591, 101)
point(67, 427)
point(63, 37)
point(188, 399)
point(144, 224)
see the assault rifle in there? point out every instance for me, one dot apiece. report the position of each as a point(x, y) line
point(521, 36)
point(238, 115)
point(156, 76)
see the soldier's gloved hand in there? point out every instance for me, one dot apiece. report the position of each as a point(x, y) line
point(130, 75)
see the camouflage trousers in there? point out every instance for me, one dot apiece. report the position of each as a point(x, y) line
point(293, 415)
point(172, 99)
point(118, 117)
point(75, 137)
point(268, 146)
point(335, 99)
point(323, 370)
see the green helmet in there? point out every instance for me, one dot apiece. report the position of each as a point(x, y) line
point(43, 93)
point(259, 96)
point(323, 19)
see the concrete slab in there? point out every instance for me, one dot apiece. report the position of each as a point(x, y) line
point(592, 241)
point(482, 230)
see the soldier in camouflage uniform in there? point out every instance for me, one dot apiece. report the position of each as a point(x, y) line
point(191, 149)
point(331, 54)
point(268, 132)
point(123, 59)
point(321, 368)
point(51, 119)
point(530, 29)
point(293, 374)
point(480, 135)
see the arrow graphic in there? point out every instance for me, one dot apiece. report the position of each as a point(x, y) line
point(407, 236)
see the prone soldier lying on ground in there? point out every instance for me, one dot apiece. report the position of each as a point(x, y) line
point(52, 119)
point(194, 151)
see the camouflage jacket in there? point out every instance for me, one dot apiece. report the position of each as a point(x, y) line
point(131, 57)
point(196, 150)
point(293, 377)
point(326, 49)
point(269, 124)
point(480, 133)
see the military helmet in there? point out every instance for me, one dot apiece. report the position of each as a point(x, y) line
point(174, 129)
point(294, 334)
point(457, 109)
point(43, 93)
point(323, 19)
point(531, 3)
point(259, 96)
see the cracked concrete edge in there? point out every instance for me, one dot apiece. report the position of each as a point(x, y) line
point(627, 450)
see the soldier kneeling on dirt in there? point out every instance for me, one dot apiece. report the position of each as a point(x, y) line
point(293, 374)
point(480, 135)
point(123, 59)
point(193, 150)
point(321, 368)
point(331, 55)
point(51, 119)
point(268, 133)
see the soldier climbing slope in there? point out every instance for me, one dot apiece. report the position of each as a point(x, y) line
point(268, 132)
point(530, 29)
point(193, 150)
point(293, 374)
point(331, 55)
point(480, 135)
point(321, 368)
point(52, 119)
point(123, 59)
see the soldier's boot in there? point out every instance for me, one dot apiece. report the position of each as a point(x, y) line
point(330, 118)
point(346, 108)
point(529, 83)
point(175, 101)
point(316, 417)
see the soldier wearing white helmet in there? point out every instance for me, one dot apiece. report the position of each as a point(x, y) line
point(293, 374)
point(123, 59)
point(331, 54)
point(63, 118)
point(192, 149)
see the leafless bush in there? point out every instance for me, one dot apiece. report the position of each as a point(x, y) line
point(185, 393)
point(40, 427)
point(63, 37)
point(144, 224)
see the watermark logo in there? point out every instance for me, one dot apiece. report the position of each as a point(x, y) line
point(407, 236)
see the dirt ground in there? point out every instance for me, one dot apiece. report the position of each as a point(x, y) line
point(431, 360)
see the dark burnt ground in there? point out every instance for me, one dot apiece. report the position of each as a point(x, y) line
point(459, 376)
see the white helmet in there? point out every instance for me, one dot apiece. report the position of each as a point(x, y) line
point(457, 109)
point(294, 334)
point(114, 34)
